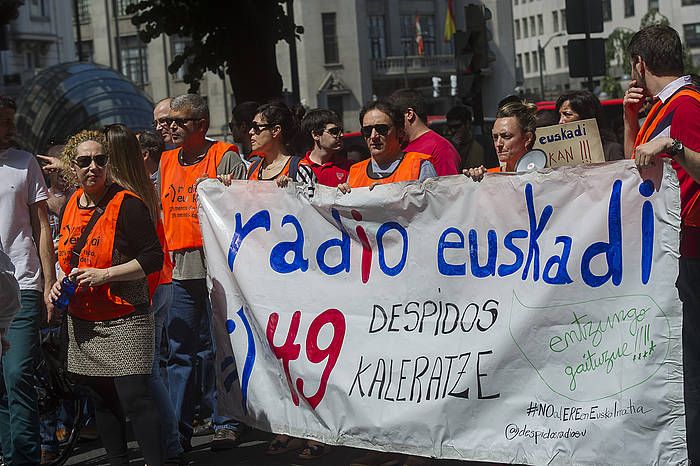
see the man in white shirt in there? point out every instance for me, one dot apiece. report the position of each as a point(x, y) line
point(26, 238)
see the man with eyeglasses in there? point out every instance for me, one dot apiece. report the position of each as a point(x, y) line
point(160, 115)
point(422, 139)
point(326, 130)
point(26, 238)
point(196, 157)
point(382, 128)
point(459, 131)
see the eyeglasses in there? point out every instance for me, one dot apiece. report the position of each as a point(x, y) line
point(334, 131)
point(178, 121)
point(260, 127)
point(381, 130)
point(160, 122)
point(84, 161)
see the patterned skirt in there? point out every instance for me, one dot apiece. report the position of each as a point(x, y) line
point(111, 348)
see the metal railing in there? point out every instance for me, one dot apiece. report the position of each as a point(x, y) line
point(413, 64)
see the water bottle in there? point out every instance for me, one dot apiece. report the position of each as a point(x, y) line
point(67, 292)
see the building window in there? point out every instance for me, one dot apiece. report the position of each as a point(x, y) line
point(540, 24)
point(330, 38)
point(519, 60)
point(84, 10)
point(534, 61)
point(527, 62)
point(563, 20)
point(533, 30)
point(517, 29)
point(555, 21)
point(88, 50)
point(37, 9)
point(178, 46)
point(653, 5)
point(690, 2)
point(122, 4)
point(134, 59)
point(525, 28)
point(515, 2)
point(629, 8)
point(691, 33)
point(557, 56)
point(566, 56)
point(607, 10)
point(377, 36)
point(408, 34)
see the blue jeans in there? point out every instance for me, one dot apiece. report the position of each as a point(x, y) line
point(190, 306)
point(162, 299)
point(19, 413)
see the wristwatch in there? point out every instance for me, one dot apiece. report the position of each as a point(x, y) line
point(676, 148)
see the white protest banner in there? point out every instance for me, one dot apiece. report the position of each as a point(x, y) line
point(528, 318)
point(571, 143)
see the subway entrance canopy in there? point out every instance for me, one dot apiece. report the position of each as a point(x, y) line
point(69, 97)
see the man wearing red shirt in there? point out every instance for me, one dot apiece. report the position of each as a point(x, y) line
point(443, 155)
point(324, 127)
point(672, 129)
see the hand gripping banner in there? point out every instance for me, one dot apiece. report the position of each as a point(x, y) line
point(528, 318)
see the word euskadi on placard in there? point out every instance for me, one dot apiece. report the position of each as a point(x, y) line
point(571, 143)
point(525, 319)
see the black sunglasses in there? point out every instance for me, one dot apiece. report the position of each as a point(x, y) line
point(84, 161)
point(381, 130)
point(260, 127)
point(178, 121)
point(335, 131)
point(160, 122)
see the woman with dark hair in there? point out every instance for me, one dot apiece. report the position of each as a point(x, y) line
point(273, 130)
point(128, 170)
point(582, 105)
point(110, 328)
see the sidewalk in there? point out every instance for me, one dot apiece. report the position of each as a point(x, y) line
point(251, 453)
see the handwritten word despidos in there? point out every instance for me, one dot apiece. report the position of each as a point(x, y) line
point(505, 252)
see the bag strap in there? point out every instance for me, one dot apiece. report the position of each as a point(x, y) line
point(97, 213)
point(294, 167)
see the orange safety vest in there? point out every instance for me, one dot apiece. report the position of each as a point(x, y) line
point(98, 302)
point(654, 118)
point(408, 170)
point(255, 171)
point(178, 194)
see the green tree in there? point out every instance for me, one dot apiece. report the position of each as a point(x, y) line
point(9, 10)
point(227, 37)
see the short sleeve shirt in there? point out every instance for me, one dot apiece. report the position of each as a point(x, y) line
point(443, 155)
point(332, 172)
point(22, 185)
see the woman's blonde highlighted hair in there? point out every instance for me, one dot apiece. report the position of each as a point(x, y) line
point(71, 148)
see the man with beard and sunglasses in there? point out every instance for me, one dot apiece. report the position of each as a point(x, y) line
point(382, 128)
point(196, 157)
point(324, 158)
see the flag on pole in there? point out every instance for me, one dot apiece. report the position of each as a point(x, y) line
point(450, 27)
point(419, 36)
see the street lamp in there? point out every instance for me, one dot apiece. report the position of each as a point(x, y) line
point(540, 55)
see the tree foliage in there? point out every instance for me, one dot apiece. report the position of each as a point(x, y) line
point(9, 10)
point(236, 38)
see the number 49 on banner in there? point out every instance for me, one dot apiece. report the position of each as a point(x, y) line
point(290, 350)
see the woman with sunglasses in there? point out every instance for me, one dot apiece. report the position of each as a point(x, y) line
point(110, 328)
point(271, 134)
